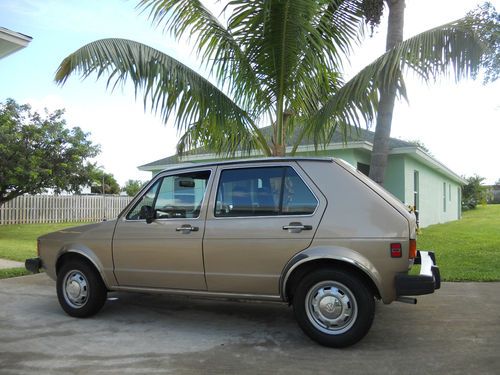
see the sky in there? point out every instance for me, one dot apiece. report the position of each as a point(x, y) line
point(458, 122)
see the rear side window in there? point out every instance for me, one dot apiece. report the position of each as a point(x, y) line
point(267, 191)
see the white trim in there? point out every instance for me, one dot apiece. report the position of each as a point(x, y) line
point(428, 160)
point(241, 154)
point(11, 41)
point(237, 154)
point(162, 167)
point(414, 151)
point(335, 146)
point(14, 37)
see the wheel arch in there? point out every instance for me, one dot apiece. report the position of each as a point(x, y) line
point(306, 262)
point(79, 255)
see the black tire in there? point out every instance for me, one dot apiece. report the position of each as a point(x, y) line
point(333, 307)
point(80, 289)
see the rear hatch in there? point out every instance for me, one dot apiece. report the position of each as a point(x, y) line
point(386, 195)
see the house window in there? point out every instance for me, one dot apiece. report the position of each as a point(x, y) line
point(364, 168)
point(444, 196)
point(416, 183)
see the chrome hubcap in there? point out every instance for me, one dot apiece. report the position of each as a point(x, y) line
point(331, 307)
point(75, 289)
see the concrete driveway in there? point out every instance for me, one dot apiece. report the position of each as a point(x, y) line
point(455, 331)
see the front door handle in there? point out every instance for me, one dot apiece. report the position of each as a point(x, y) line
point(297, 227)
point(186, 228)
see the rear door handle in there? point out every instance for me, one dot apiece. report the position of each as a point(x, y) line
point(297, 227)
point(186, 228)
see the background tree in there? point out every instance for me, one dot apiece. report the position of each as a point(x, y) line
point(473, 193)
point(110, 184)
point(489, 19)
point(38, 152)
point(132, 187)
point(275, 62)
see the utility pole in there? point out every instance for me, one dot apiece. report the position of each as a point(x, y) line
point(103, 195)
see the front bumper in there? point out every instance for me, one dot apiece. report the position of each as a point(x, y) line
point(427, 282)
point(33, 265)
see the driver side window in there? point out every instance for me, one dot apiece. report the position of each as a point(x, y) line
point(146, 200)
point(176, 196)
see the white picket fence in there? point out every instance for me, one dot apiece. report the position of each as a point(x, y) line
point(29, 209)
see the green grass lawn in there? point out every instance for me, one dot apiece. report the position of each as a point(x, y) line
point(18, 242)
point(467, 249)
point(13, 272)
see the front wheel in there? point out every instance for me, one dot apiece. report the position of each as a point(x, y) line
point(333, 307)
point(80, 289)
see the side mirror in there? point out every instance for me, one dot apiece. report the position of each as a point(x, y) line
point(148, 213)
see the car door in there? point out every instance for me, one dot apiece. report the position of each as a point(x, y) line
point(260, 215)
point(167, 252)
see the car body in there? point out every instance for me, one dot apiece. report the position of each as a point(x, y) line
point(312, 232)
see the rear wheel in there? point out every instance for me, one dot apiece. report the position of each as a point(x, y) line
point(333, 307)
point(80, 289)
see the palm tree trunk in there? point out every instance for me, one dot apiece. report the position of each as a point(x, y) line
point(280, 132)
point(380, 151)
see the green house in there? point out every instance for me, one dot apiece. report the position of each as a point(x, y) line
point(413, 176)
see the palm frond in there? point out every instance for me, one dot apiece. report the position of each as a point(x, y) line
point(341, 21)
point(453, 48)
point(215, 45)
point(450, 49)
point(274, 35)
point(294, 46)
point(337, 25)
point(168, 86)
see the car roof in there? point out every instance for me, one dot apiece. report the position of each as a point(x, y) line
point(246, 161)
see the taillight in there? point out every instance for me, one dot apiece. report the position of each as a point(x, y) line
point(412, 254)
point(396, 250)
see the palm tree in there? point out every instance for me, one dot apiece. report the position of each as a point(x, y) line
point(380, 151)
point(275, 62)
point(485, 16)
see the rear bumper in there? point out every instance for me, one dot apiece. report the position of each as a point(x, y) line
point(33, 265)
point(427, 282)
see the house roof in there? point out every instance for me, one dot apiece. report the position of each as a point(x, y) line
point(356, 139)
point(11, 41)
